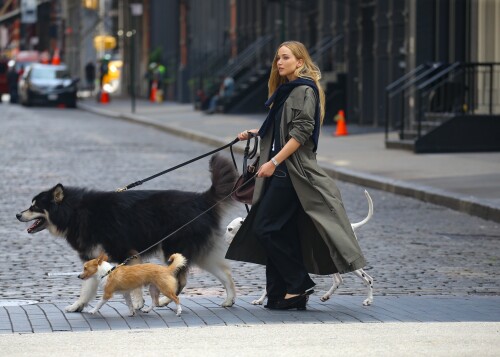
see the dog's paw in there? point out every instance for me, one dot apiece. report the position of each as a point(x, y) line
point(257, 302)
point(179, 310)
point(228, 302)
point(367, 302)
point(325, 298)
point(147, 309)
point(138, 303)
point(137, 299)
point(76, 307)
point(93, 311)
point(164, 301)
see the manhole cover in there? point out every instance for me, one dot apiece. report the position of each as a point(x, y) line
point(17, 302)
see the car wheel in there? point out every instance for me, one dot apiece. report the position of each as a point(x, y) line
point(72, 102)
point(28, 101)
point(24, 102)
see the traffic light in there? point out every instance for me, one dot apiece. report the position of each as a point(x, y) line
point(105, 42)
point(90, 4)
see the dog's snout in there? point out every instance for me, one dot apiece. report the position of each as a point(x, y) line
point(18, 216)
point(229, 229)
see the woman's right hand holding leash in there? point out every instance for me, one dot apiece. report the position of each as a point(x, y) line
point(244, 134)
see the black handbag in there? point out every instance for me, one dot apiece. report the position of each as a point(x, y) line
point(245, 184)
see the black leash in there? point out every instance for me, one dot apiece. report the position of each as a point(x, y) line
point(140, 182)
point(111, 270)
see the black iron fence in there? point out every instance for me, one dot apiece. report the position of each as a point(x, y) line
point(434, 92)
point(397, 93)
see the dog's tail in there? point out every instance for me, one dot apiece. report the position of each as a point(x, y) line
point(224, 176)
point(176, 262)
point(370, 212)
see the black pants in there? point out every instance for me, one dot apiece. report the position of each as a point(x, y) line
point(276, 229)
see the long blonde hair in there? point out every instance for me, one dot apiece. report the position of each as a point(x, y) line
point(308, 70)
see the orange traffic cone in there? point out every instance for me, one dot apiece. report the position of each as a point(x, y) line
point(152, 95)
point(104, 98)
point(341, 125)
point(56, 59)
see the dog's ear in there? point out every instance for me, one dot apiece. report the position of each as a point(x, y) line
point(102, 258)
point(58, 193)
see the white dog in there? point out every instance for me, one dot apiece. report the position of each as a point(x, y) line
point(234, 226)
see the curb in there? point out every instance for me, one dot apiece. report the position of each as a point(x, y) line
point(423, 193)
point(137, 119)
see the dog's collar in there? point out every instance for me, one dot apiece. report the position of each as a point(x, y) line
point(109, 272)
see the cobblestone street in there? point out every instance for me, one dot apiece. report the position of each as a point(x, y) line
point(397, 102)
point(413, 248)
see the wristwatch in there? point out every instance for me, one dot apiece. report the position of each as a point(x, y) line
point(273, 160)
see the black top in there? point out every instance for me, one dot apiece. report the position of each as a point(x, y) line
point(281, 169)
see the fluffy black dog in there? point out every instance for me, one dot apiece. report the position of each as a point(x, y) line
point(121, 224)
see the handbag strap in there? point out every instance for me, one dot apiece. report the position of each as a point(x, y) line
point(250, 154)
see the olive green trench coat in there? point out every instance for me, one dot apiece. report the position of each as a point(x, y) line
point(327, 240)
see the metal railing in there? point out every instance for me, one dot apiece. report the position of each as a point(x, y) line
point(397, 93)
point(245, 58)
point(323, 46)
point(442, 90)
point(467, 88)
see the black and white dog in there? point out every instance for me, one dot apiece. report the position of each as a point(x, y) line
point(235, 224)
point(121, 224)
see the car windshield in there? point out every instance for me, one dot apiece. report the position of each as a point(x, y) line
point(49, 73)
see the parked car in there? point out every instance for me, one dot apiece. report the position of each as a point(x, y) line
point(47, 84)
point(4, 88)
point(25, 58)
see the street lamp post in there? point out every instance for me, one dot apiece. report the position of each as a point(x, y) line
point(102, 28)
point(135, 10)
point(282, 16)
point(130, 35)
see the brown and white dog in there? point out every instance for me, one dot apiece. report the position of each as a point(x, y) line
point(126, 278)
point(235, 224)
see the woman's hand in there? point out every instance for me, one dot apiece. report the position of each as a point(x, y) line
point(244, 134)
point(266, 170)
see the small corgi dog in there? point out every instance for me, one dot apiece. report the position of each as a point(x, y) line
point(125, 278)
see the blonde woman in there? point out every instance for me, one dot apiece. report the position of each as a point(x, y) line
point(297, 224)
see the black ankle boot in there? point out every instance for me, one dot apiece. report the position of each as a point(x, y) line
point(271, 304)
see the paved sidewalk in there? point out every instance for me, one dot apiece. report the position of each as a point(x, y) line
point(206, 311)
point(467, 182)
point(393, 326)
